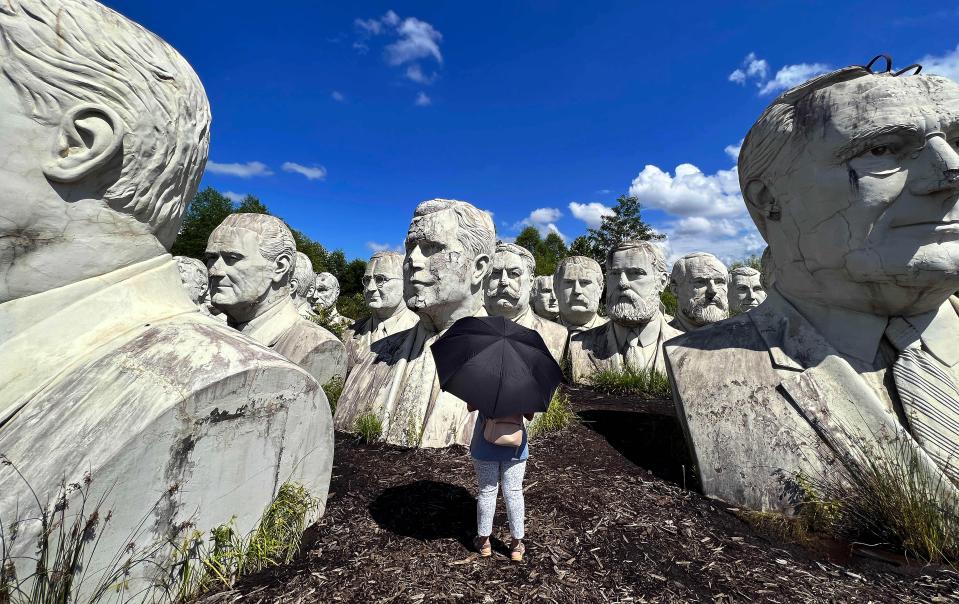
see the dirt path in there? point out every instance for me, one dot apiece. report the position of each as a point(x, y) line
point(608, 520)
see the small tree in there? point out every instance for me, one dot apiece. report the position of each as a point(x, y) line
point(549, 253)
point(624, 223)
point(529, 238)
point(207, 210)
point(252, 205)
point(581, 247)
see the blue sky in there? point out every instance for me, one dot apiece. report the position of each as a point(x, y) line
point(342, 116)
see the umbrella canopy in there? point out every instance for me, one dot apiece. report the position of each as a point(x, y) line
point(496, 366)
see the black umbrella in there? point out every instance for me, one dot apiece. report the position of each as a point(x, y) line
point(496, 366)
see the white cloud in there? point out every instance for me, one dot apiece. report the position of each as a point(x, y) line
point(385, 247)
point(234, 197)
point(756, 70)
point(544, 219)
point(415, 73)
point(414, 40)
point(590, 213)
point(733, 150)
point(793, 75)
point(423, 100)
point(310, 172)
point(728, 248)
point(689, 192)
point(247, 170)
point(338, 96)
point(946, 65)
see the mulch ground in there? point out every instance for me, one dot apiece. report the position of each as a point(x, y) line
point(611, 516)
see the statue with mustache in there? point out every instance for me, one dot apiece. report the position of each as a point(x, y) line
point(635, 277)
point(699, 282)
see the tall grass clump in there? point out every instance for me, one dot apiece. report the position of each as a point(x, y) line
point(631, 381)
point(890, 499)
point(333, 390)
point(557, 418)
point(368, 427)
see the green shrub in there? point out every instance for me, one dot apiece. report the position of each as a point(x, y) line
point(631, 381)
point(353, 307)
point(333, 390)
point(557, 418)
point(368, 428)
point(322, 318)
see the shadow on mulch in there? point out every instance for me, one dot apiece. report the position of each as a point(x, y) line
point(651, 441)
point(427, 510)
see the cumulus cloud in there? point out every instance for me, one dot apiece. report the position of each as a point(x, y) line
point(733, 150)
point(338, 96)
point(423, 100)
point(247, 170)
point(590, 213)
point(413, 41)
point(544, 219)
point(385, 247)
point(310, 172)
point(234, 197)
point(946, 65)
point(689, 192)
point(755, 70)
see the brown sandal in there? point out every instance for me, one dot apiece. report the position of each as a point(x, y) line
point(516, 551)
point(483, 546)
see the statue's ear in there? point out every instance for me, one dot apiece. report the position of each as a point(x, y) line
point(761, 201)
point(89, 137)
point(481, 265)
point(663, 281)
point(673, 289)
point(283, 269)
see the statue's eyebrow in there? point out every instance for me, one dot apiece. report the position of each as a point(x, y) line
point(856, 144)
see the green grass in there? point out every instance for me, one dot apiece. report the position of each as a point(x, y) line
point(631, 381)
point(556, 419)
point(333, 390)
point(368, 428)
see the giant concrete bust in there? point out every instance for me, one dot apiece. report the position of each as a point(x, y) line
point(383, 292)
point(508, 295)
point(194, 277)
point(327, 293)
point(633, 338)
point(746, 290)
point(107, 368)
point(699, 282)
point(449, 247)
point(251, 261)
point(303, 285)
point(578, 285)
point(851, 178)
point(543, 298)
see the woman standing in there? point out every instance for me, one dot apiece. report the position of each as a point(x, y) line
point(497, 464)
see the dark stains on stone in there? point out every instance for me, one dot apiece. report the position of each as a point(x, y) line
point(853, 178)
point(217, 416)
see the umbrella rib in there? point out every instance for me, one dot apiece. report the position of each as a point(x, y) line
point(499, 387)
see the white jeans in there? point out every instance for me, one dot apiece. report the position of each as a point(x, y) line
point(490, 474)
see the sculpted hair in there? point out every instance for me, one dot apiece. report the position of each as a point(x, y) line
point(303, 274)
point(329, 278)
point(538, 283)
point(652, 250)
point(475, 231)
point(680, 267)
point(275, 236)
point(743, 271)
point(393, 260)
point(587, 263)
point(61, 53)
point(520, 251)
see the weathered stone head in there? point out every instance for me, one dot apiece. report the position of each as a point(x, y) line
point(327, 290)
point(449, 247)
point(251, 260)
point(510, 280)
point(578, 284)
point(303, 282)
point(194, 276)
point(853, 180)
point(383, 284)
point(544, 298)
point(95, 174)
point(635, 277)
point(746, 290)
point(699, 283)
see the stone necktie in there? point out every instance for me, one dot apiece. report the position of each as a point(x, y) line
point(929, 397)
point(633, 355)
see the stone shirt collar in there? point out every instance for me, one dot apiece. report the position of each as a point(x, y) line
point(648, 334)
point(270, 325)
point(858, 334)
point(44, 334)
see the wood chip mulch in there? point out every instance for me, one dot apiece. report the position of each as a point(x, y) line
point(607, 520)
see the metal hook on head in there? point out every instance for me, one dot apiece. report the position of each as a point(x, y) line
point(876, 58)
point(916, 66)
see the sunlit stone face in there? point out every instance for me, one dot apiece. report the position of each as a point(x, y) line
point(327, 290)
point(437, 267)
point(702, 293)
point(544, 299)
point(194, 277)
point(508, 285)
point(383, 284)
point(240, 277)
point(633, 286)
point(746, 292)
point(580, 290)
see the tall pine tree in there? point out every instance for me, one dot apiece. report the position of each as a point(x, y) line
point(624, 223)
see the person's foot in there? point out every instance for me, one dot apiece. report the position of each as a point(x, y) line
point(516, 550)
point(483, 546)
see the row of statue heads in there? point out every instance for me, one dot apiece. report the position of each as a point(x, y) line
point(851, 178)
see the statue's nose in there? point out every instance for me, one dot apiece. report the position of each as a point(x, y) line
point(939, 168)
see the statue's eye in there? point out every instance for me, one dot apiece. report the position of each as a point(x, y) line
point(880, 150)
